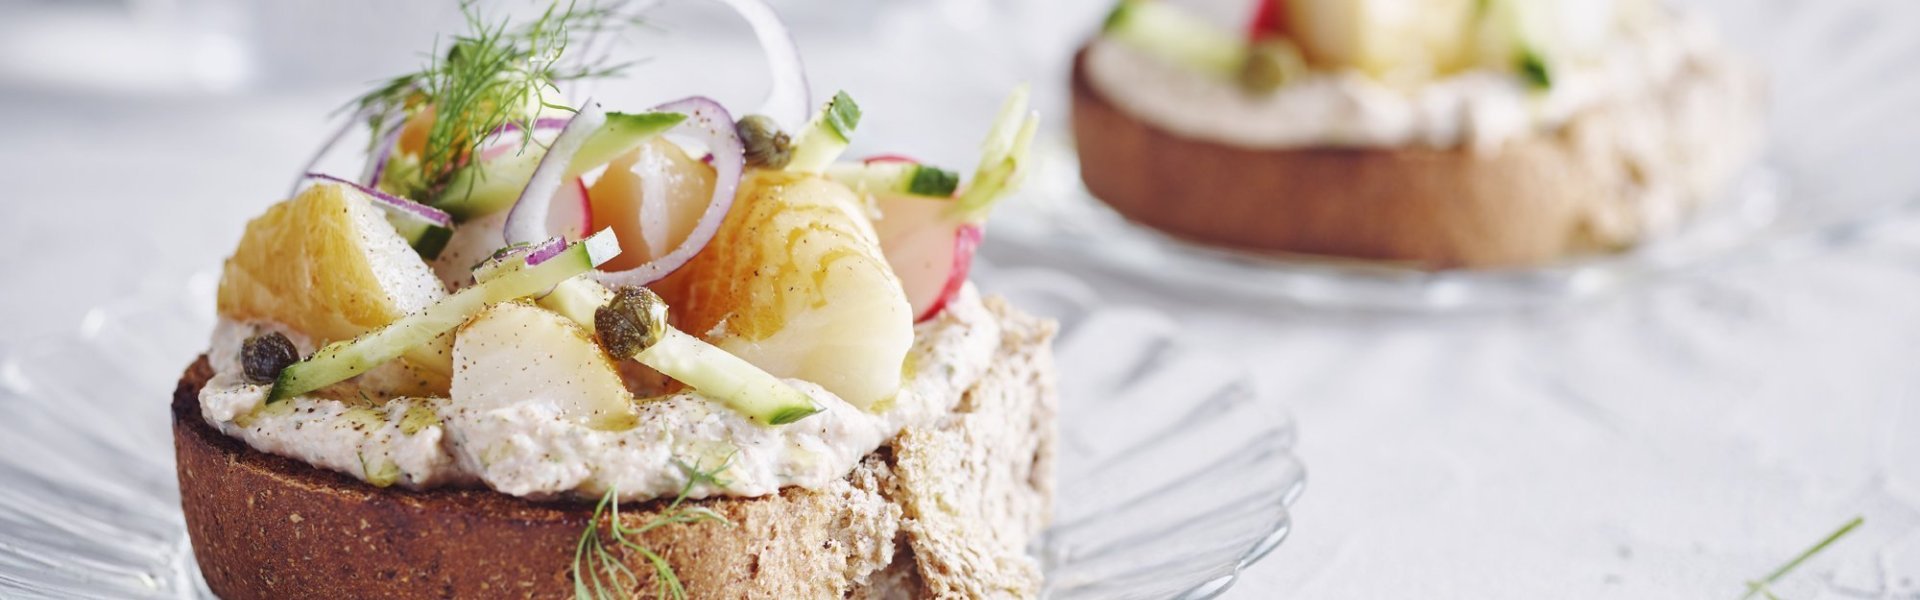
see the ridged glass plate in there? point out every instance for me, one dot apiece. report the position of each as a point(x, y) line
point(1842, 131)
point(1171, 477)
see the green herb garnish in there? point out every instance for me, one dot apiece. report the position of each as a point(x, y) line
point(599, 573)
point(1534, 69)
point(1760, 587)
point(496, 73)
point(842, 115)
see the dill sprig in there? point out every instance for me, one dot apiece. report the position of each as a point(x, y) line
point(1763, 586)
point(599, 573)
point(494, 74)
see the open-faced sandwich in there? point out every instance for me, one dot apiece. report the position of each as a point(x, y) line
point(1441, 133)
point(543, 348)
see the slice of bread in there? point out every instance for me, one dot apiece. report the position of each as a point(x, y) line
point(946, 511)
point(1605, 180)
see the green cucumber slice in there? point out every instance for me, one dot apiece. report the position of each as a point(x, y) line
point(826, 136)
point(576, 299)
point(1004, 161)
point(342, 360)
point(732, 380)
point(892, 177)
point(478, 190)
point(1173, 35)
point(620, 134)
point(714, 372)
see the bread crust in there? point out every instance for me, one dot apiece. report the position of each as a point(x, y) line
point(263, 526)
point(1531, 201)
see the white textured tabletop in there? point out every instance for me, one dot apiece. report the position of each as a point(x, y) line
point(1674, 440)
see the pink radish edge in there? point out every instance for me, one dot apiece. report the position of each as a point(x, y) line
point(966, 240)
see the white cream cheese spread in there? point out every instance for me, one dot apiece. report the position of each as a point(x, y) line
point(1478, 109)
point(527, 449)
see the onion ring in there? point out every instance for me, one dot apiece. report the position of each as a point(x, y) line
point(789, 102)
point(527, 220)
point(710, 123)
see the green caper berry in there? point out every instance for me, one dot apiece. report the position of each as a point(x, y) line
point(635, 320)
point(1269, 65)
point(264, 356)
point(766, 145)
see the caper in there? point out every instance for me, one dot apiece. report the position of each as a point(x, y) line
point(1270, 64)
point(635, 320)
point(766, 145)
point(264, 356)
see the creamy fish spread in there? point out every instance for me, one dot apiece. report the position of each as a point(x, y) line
point(1478, 109)
point(527, 449)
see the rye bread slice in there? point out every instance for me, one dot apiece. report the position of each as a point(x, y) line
point(1570, 191)
point(945, 511)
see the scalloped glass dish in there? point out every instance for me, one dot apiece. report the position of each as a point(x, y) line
point(1841, 123)
point(89, 504)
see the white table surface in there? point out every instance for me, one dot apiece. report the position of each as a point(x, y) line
point(1671, 441)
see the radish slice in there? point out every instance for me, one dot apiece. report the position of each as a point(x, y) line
point(710, 124)
point(966, 241)
point(572, 215)
point(930, 252)
point(788, 102)
point(890, 158)
point(930, 242)
point(527, 221)
point(391, 202)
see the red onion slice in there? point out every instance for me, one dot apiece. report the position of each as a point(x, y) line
point(499, 142)
point(326, 147)
point(391, 202)
point(544, 251)
point(527, 220)
point(514, 256)
point(710, 124)
point(377, 166)
point(540, 124)
point(788, 102)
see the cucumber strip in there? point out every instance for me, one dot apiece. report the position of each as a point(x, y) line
point(1173, 35)
point(478, 190)
point(1004, 159)
point(342, 360)
point(714, 372)
point(907, 178)
point(576, 299)
point(826, 136)
point(732, 380)
point(621, 133)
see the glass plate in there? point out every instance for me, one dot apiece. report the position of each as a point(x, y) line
point(1172, 478)
point(1841, 130)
